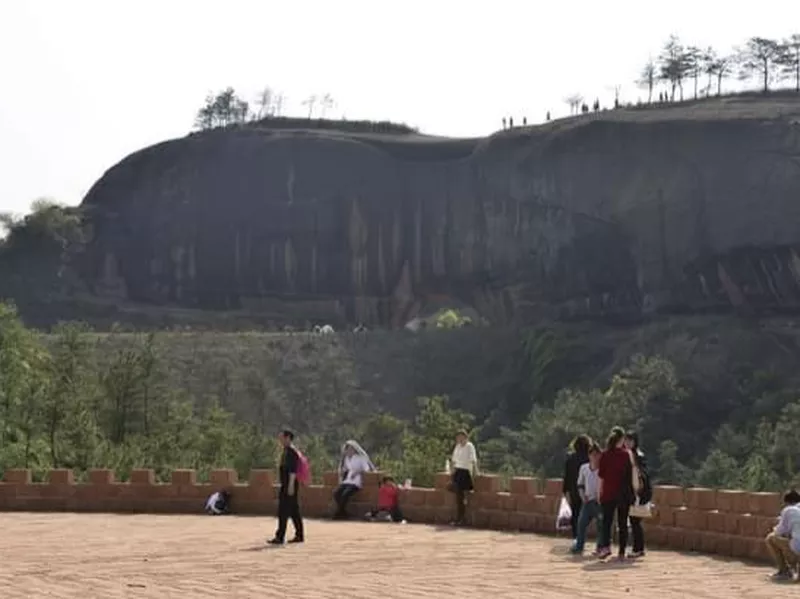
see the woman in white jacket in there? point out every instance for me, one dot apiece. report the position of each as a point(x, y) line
point(353, 463)
point(465, 467)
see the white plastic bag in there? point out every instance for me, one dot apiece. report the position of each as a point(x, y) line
point(564, 518)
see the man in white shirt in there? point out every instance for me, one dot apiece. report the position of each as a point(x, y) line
point(784, 542)
point(589, 488)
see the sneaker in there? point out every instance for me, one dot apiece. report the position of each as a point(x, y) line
point(603, 553)
point(782, 576)
point(275, 541)
point(575, 551)
point(636, 554)
point(297, 540)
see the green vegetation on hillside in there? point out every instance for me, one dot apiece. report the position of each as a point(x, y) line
point(79, 400)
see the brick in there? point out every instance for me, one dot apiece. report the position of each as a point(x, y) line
point(20, 476)
point(184, 477)
point(741, 547)
point(675, 539)
point(665, 515)
point(372, 479)
point(656, 535)
point(507, 502)
point(525, 485)
point(436, 498)
point(732, 501)
point(701, 499)
point(61, 476)
point(330, 479)
point(442, 481)
point(101, 476)
point(717, 522)
point(552, 487)
point(498, 519)
point(489, 501)
point(415, 496)
point(143, 476)
point(261, 478)
point(687, 518)
point(668, 495)
point(765, 504)
point(487, 483)
point(747, 526)
point(724, 545)
point(223, 477)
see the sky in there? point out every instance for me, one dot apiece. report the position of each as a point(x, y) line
point(86, 82)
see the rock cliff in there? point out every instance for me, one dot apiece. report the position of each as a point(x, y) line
point(691, 207)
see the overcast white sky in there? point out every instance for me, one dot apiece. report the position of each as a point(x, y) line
point(85, 82)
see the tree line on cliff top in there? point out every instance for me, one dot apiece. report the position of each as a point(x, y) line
point(764, 59)
point(76, 399)
point(704, 69)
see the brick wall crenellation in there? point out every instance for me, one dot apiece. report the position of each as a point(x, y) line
point(722, 522)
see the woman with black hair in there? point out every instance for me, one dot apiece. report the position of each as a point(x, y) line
point(576, 458)
point(644, 495)
point(616, 492)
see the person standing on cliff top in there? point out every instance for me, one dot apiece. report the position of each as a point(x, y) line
point(288, 502)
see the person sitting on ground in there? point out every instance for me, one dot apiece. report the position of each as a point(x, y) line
point(352, 465)
point(588, 485)
point(784, 541)
point(388, 502)
point(465, 466)
point(218, 503)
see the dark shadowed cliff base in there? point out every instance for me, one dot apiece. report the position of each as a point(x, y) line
point(689, 208)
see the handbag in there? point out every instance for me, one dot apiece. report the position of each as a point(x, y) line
point(641, 510)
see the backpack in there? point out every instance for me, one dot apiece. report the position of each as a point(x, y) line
point(303, 469)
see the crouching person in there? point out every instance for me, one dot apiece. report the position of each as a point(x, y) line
point(388, 502)
point(784, 542)
point(218, 503)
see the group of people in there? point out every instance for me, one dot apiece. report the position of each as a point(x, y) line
point(353, 464)
point(601, 483)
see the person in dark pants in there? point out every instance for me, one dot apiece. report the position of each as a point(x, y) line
point(465, 466)
point(616, 495)
point(644, 494)
point(288, 501)
point(576, 458)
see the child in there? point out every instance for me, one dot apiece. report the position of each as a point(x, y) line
point(588, 487)
point(388, 502)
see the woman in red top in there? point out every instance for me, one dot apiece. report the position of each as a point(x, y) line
point(615, 472)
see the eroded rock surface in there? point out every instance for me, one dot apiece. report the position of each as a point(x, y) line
point(613, 215)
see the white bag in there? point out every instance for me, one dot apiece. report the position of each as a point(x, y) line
point(641, 510)
point(564, 518)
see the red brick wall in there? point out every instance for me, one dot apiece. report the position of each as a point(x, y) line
point(729, 523)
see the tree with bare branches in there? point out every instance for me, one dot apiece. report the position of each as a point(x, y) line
point(311, 102)
point(673, 65)
point(760, 57)
point(648, 79)
point(790, 59)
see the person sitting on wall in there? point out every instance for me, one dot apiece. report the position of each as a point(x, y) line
point(388, 502)
point(352, 466)
point(784, 541)
point(218, 503)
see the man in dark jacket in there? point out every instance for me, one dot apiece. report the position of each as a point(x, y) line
point(288, 502)
point(577, 458)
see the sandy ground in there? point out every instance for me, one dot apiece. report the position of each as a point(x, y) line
point(113, 556)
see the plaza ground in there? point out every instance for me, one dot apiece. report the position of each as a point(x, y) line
point(118, 556)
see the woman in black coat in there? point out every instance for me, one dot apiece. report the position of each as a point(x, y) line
point(576, 458)
point(645, 494)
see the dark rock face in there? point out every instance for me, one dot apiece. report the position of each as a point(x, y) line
point(613, 215)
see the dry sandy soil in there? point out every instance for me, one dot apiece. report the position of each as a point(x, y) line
point(113, 556)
